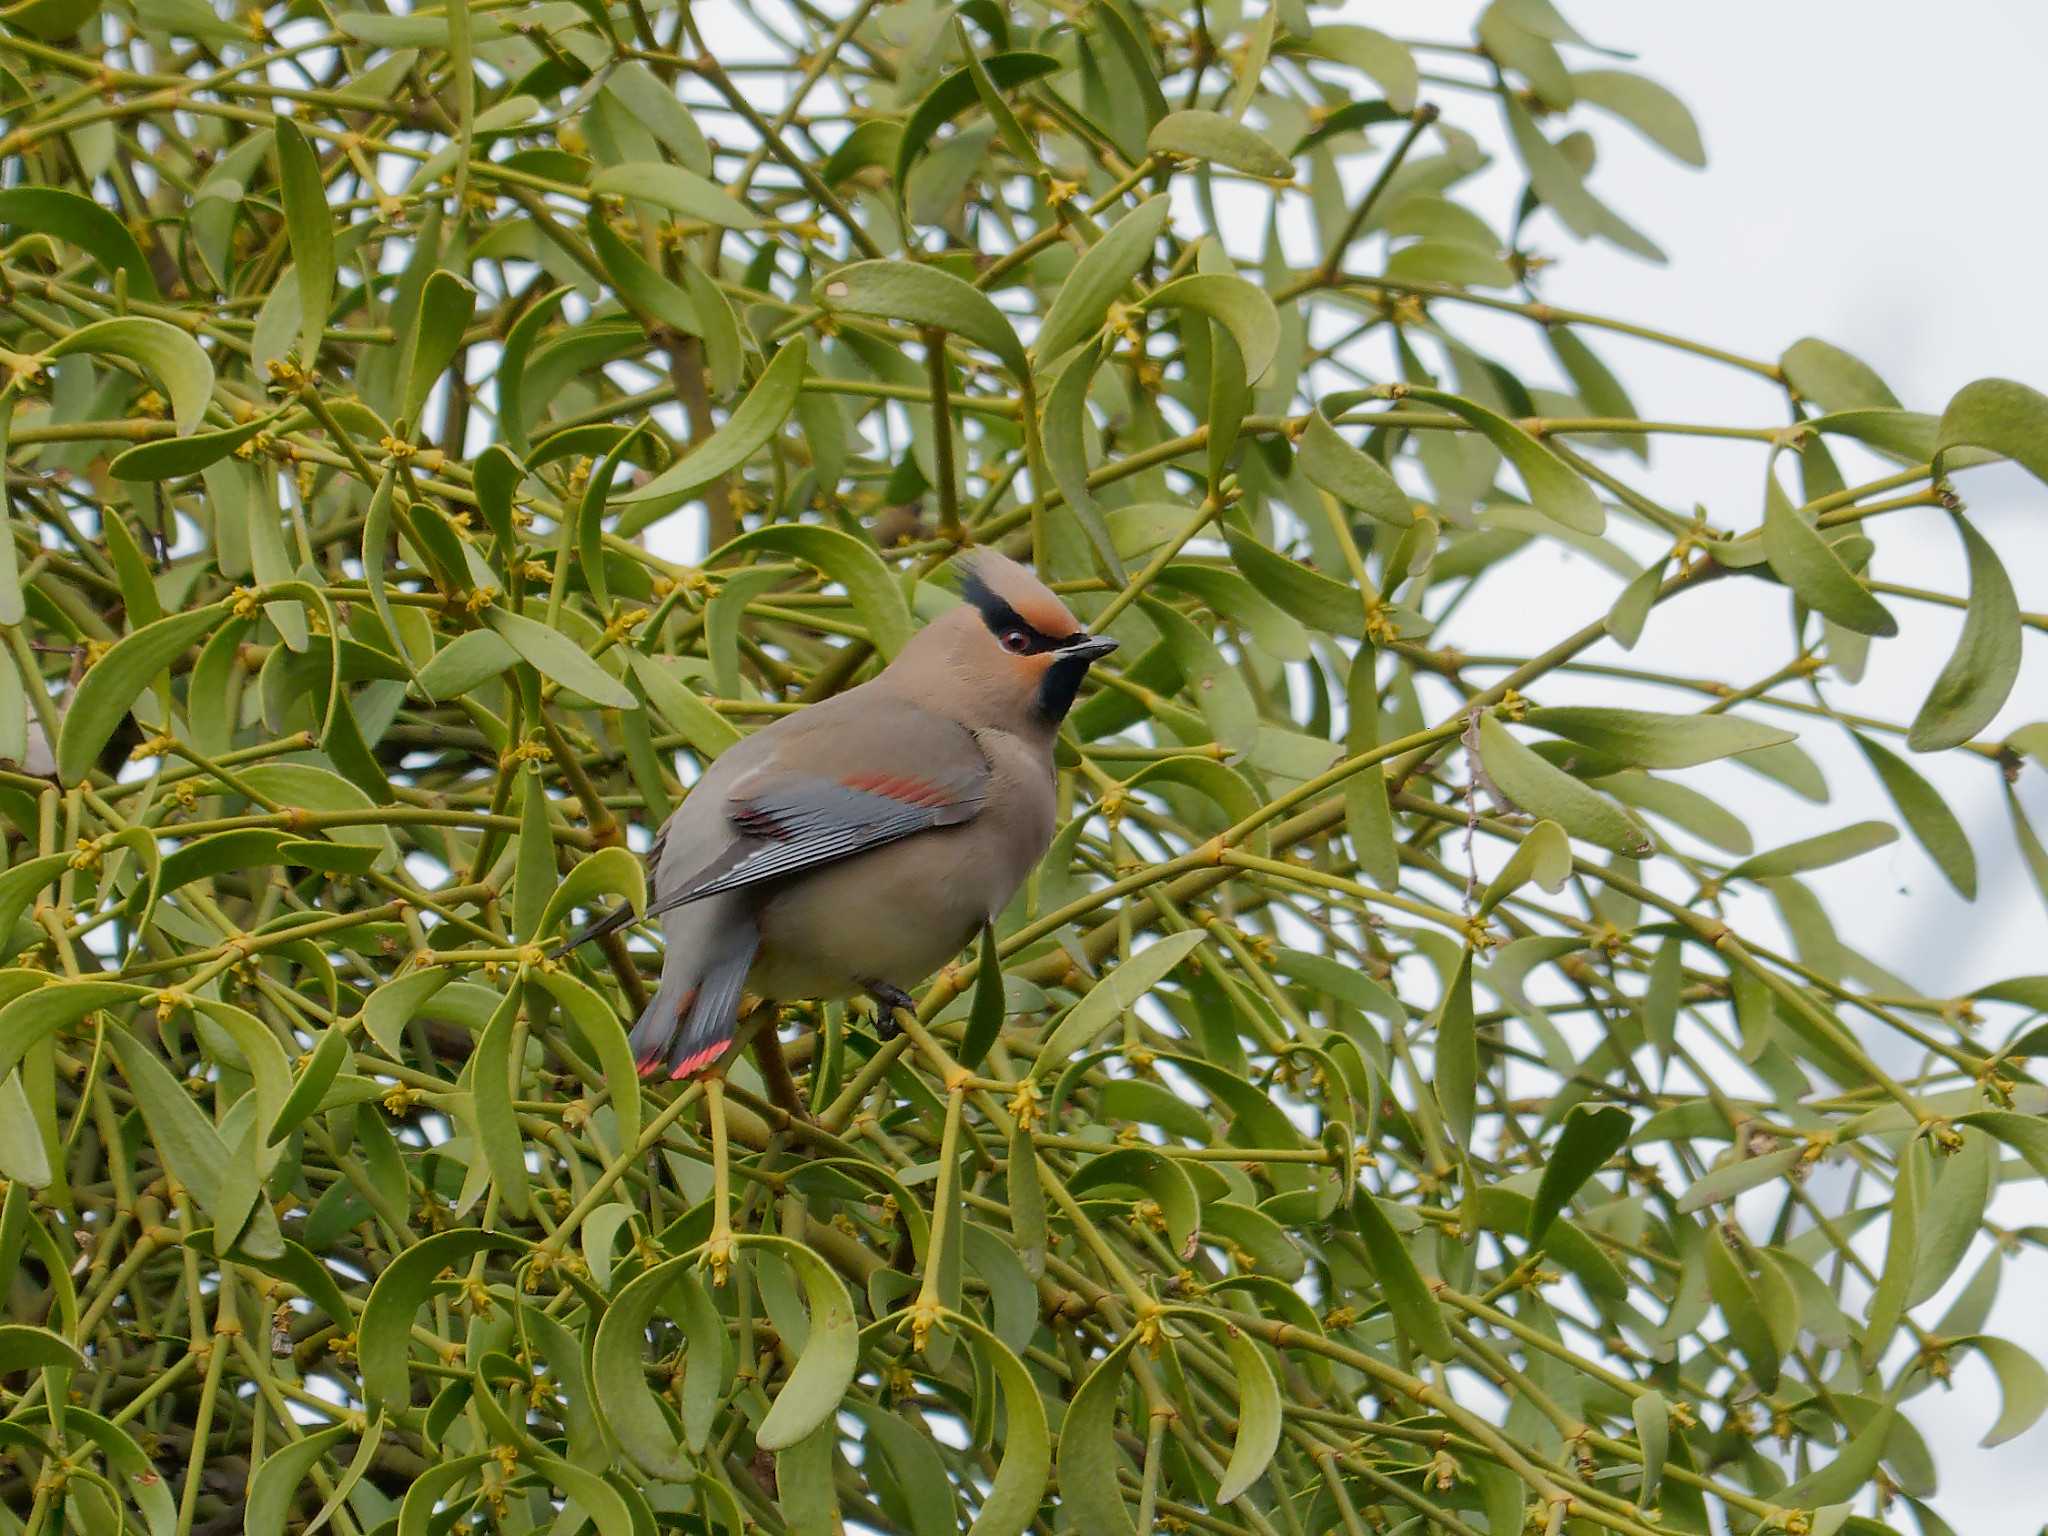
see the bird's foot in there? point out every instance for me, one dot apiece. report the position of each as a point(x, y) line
point(887, 1000)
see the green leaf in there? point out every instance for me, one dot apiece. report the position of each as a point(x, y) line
point(1374, 54)
point(1653, 1434)
point(384, 1336)
point(27, 1348)
point(849, 562)
point(446, 303)
point(874, 142)
point(825, 1367)
point(1652, 111)
point(1954, 1214)
point(2025, 1134)
point(1544, 855)
point(178, 361)
point(1901, 1253)
point(1027, 1203)
point(173, 457)
point(1161, 1178)
point(745, 432)
point(630, 1412)
point(1450, 262)
point(1561, 187)
point(1834, 380)
point(309, 223)
point(109, 690)
point(708, 732)
point(1554, 487)
point(955, 94)
point(1732, 1179)
point(1554, 795)
point(1742, 1310)
point(1848, 1472)
point(1218, 688)
point(588, 1493)
point(1926, 814)
point(1528, 53)
point(2022, 1386)
point(1457, 1052)
point(1811, 568)
point(1220, 140)
point(497, 1126)
point(1331, 607)
point(642, 286)
point(1595, 383)
point(919, 1471)
point(985, 1018)
point(1008, 129)
point(128, 1466)
point(655, 105)
point(924, 296)
point(1258, 1417)
point(192, 1151)
point(1411, 1303)
point(1354, 478)
point(533, 876)
point(23, 1154)
point(327, 1059)
point(1590, 1137)
point(555, 656)
point(1088, 1458)
point(1816, 852)
point(606, 1034)
point(85, 224)
point(280, 1475)
point(676, 189)
point(1349, 118)
point(2007, 418)
point(1106, 1001)
point(1104, 271)
point(717, 328)
point(1978, 677)
point(806, 1493)
point(1644, 739)
point(1017, 1496)
point(609, 871)
point(1241, 308)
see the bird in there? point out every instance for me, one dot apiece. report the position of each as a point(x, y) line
point(858, 844)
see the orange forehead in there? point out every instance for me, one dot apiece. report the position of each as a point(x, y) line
point(1024, 592)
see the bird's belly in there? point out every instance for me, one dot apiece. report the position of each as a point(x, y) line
point(894, 915)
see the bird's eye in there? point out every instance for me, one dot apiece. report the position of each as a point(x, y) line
point(1016, 641)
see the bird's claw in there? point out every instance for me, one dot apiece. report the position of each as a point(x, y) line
point(887, 1000)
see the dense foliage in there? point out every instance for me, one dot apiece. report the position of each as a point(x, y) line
point(430, 437)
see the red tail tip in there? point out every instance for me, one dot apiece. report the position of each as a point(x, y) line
point(699, 1060)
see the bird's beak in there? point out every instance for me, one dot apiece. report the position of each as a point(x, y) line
point(1088, 648)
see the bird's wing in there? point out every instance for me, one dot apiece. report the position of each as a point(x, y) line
point(884, 775)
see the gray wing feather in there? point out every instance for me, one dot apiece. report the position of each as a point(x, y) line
point(804, 823)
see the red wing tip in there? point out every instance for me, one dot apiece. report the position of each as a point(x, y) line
point(700, 1060)
point(901, 787)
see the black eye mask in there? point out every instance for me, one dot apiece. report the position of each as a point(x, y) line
point(1001, 618)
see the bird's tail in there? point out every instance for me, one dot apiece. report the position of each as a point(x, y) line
point(695, 1010)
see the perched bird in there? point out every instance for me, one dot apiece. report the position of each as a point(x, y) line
point(858, 845)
